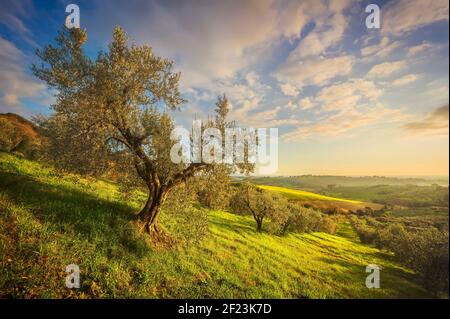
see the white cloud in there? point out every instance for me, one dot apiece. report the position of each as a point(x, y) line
point(290, 105)
point(424, 46)
point(382, 49)
point(248, 115)
point(306, 103)
point(211, 40)
point(343, 122)
point(330, 24)
point(385, 69)
point(347, 95)
point(409, 78)
point(289, 90)
point(314, 71)
point(345, 106)
point(251, 78)
point(269, 114)
point(402, 16)
point(15, 83)
point(308, 64)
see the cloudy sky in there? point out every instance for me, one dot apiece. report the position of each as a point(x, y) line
point(347, 100)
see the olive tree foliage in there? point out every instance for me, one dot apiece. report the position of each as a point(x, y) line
point(252, 200)
point(112, 113)
point(300, 219)
point(213, 189)
point(189, 221)
point(282, 216)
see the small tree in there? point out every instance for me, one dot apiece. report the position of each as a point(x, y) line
point(261, 204)
point(112, 113)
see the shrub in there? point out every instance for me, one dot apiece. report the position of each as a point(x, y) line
point(301, 219)
point(424, 250)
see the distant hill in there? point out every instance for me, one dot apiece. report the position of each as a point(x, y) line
point(378, 190)
point(24, 125)
point(315, 183)
point(18, 134)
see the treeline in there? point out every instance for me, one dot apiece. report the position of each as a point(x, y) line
point(396, 195)
point(322, 182)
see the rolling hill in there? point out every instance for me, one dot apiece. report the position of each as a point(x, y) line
point(321, 201)
point(49, 220)
point(26, 127)
point(18, 134)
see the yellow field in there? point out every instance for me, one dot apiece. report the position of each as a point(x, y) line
point(321, 201)
point(298, 194)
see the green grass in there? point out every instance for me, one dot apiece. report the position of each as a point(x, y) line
point(304, 195)
point(49, 220)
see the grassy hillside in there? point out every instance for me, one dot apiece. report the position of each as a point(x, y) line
point(320, 201)
point(49, 220)
point(304, 195)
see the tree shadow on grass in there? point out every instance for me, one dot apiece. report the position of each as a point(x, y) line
point(403, 283)
point(240, 227)
point(73, 212)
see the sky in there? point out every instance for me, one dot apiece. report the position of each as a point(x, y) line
point(346, 99)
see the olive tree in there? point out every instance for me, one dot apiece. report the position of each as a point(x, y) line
point(113, 112)
point(252, 200)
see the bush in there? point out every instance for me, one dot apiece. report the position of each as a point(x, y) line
point(301, 219)
point(424, 250)
point(366, 233)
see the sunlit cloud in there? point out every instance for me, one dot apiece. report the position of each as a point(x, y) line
point(409, 78)
point(424, 46)
point(385, 69)
point(434, 123)
point(315, 71)
point(403, 16)
point(309, 67)
point(15, 82)
point(289, 89)
point(343, 122)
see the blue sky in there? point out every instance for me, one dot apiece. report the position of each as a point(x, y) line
point(347, 100)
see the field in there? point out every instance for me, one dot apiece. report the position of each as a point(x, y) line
point(49, 220)
point(316, 183)
point(321, 201)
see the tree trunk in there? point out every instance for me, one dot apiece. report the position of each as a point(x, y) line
point(259, 224)
point(149, 214)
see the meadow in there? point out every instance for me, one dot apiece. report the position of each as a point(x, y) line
point(320, 201)
point(49, 219)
